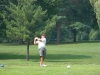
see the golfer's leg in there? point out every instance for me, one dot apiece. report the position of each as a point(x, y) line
point(41, 60)
point(44, 54)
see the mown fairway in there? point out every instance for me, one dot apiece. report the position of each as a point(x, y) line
point(84, 59)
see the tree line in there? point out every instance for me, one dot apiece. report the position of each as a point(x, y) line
point(60, 20)
point(64, 20)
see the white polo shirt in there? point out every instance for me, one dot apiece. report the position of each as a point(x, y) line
point(41, 43)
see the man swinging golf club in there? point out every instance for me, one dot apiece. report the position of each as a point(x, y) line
point(42, 48)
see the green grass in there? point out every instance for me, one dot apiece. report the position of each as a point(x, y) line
point(84, 59)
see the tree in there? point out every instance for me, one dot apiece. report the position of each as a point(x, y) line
point(77, 27)
point(78, 11)
point(94, 34)
point(96, 5)
point(26, 20)
point(3, 3)
point(52, 7)
point(2, 24)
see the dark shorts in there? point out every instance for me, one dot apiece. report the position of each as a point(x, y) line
point(42, 51)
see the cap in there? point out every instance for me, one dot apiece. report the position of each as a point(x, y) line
point(43, 34)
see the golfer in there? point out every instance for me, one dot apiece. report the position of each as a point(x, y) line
point(42, 48)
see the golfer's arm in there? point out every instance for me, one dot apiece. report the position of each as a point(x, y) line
point(35, 42)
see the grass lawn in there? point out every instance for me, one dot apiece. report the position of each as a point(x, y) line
point(84, 59)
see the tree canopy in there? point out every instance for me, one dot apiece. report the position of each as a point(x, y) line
point(96, 5)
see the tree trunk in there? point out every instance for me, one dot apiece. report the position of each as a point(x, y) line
point(58, 33)
point(21, 41)
point(27, 54)
point(74, 35)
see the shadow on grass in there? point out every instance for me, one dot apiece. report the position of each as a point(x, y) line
point(65, 57)
point(6, 56)
point(50, 57)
